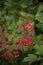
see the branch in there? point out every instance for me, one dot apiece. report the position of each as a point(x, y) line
point(36, 5)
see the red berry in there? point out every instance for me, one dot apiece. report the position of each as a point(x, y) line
point(31, 43)
point(30, 36)
point(20, 42)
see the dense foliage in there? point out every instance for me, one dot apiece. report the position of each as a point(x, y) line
point(21, 32)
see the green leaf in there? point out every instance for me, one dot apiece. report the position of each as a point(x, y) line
point(39, 15)
point(30, 58)
point(38, 39)
point(39, 49)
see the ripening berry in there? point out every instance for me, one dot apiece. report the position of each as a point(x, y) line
point(20, 25)
point(1, 39)
point(26, 19)
point(30, 36)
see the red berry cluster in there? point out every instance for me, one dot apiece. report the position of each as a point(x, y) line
point(29, 27)
point(16, 54)
point(7, 55)
point(26, 41)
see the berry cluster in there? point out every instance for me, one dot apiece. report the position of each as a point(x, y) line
point(29, 27)
point(26, 41)
point(7, 55)
point(16, 54)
